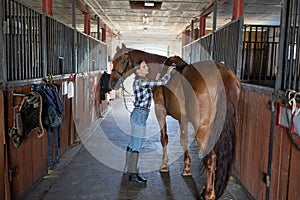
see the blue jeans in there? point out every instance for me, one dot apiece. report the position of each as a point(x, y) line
point(138, 119)
point(49, 145)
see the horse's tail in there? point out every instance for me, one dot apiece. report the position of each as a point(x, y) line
point(225, 151)
point(225, 146)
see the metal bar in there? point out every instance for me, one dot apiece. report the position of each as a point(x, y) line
point(272, 54)
point(250, 64)
point(261, 49)
point(29, 74)
point(244, 43)
point(39, 64)
point(14, 65)
point(43, 50)
point(50, 49)
point(287, 63)
point(278, 83)
point(33, 64)
point(22, 43)
point(3, 67)
point(254, 55)
point(192, 31)
point(240, 48)
point(293, 45)
point(10, 41)
point(17, 52)
point(215, 15)
point(214, 28)
point(55, 50)
point(74, 38)
point(98, 28)
point(297, 50)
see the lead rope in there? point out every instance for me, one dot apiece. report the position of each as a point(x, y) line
point(292, 102)
point(123, 89)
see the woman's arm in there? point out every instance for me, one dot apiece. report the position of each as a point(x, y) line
point(162, 81)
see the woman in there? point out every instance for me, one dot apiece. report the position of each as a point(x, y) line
point(143, 97)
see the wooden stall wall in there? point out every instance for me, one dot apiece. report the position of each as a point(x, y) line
point(251, 164)
point(28, 162)
point(2, 147)
point(89, 106)
point(253, 141)
point(285, 166)
point(4, 182)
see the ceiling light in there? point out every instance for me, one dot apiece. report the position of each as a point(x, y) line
point(149, 4)
point(145, 5)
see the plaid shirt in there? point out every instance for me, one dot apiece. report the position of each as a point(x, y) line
point(142, 90)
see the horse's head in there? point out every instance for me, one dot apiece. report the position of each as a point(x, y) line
point(177, 61)
point(121, 66)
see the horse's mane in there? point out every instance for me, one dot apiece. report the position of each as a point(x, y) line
point(177, 61)
point(126, 50)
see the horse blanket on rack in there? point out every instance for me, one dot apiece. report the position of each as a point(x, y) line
point(31, 114)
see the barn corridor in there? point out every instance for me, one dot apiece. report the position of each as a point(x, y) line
point(93, 169)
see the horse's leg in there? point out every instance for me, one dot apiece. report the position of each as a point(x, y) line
point(210, 167)
point(161, 115)
point(184, 141)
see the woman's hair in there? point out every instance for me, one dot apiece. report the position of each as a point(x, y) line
point(137, 65)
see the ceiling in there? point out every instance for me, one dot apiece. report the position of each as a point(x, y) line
point(167, 22)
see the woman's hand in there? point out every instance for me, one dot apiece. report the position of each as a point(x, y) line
point(157, 76)
point(170, 69)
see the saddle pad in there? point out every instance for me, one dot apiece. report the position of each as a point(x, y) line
point(31, 113)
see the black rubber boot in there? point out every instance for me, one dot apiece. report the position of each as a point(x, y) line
point(128, 157)
point(134, 175)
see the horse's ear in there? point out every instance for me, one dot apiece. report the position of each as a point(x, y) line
point(123, 46)
point(118, 48)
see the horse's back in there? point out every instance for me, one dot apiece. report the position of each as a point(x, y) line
point(211, 74)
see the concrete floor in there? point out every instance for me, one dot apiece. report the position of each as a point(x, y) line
point(93, 169)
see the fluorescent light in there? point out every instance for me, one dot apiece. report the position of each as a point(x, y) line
point(148, 4)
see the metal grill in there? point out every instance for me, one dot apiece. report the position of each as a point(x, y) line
point(59, 42)
point(98, 58)
point(38, 45)
point(290, 41)
point(226, 46)
point(260, 54)
point(23, 42)
point(82, 53)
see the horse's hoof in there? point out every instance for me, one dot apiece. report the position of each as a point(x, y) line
point(186, 173)
point(164, 168)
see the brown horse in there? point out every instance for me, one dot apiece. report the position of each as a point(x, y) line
point(205, 94)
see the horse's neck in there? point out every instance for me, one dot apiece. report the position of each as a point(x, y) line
point(154, 62)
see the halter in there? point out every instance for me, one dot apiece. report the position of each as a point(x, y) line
point(121, 74)
point(125, 69)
